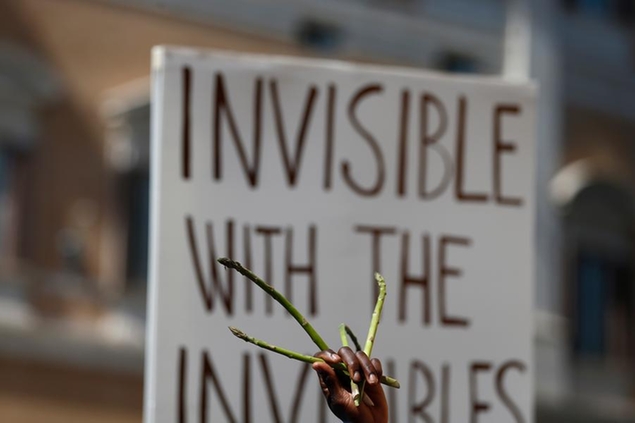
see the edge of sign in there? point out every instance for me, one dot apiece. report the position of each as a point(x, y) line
point(162, 53)
point(157, 82)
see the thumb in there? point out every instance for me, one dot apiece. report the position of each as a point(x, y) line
point(376, 394)
point(328, 380)
point(337, 397)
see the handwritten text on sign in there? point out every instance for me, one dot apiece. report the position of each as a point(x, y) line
point(315, 175)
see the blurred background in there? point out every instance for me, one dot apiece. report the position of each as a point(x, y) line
point(74, 143)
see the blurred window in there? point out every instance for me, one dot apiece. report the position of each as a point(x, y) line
point(128, 153)
point(626, 11)
point(604, 304)
point(457, 63)
point(138, 202)
point(319, 35)
point(619, 10)
point(601, 291)
point(595, 7)
point(569, 5)
point(7, 200)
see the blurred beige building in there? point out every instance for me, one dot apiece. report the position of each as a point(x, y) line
point(61, 174)
point(68, 195)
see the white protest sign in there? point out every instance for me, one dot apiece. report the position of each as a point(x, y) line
point(315, 174)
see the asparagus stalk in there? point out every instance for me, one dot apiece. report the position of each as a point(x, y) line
point(315, 336)
point(350, 333)
point(308, 328)
point(386, 380)
point(374, 323)
point(354, 386)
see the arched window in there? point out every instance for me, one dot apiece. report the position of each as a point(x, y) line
point(598, 209)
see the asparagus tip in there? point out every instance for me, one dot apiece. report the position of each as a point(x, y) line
point(237, 332)
point(226, 261)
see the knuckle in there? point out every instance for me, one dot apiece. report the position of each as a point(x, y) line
point(363, 358)
point(344, 351)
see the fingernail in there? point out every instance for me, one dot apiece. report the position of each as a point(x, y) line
point(357, 376)
point(372, 378)
point(369, 402)
point(335, 357)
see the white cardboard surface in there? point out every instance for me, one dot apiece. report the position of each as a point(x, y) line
point(459, 339)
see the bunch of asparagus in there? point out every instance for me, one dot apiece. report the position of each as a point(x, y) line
point(345, 332)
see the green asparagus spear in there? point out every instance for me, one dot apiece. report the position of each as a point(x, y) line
point(374, 324)
point(351, 335)
point(354, 386)
point(315, 336)
point(386, 380)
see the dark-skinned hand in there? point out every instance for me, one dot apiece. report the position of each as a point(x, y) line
point(336, 386)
